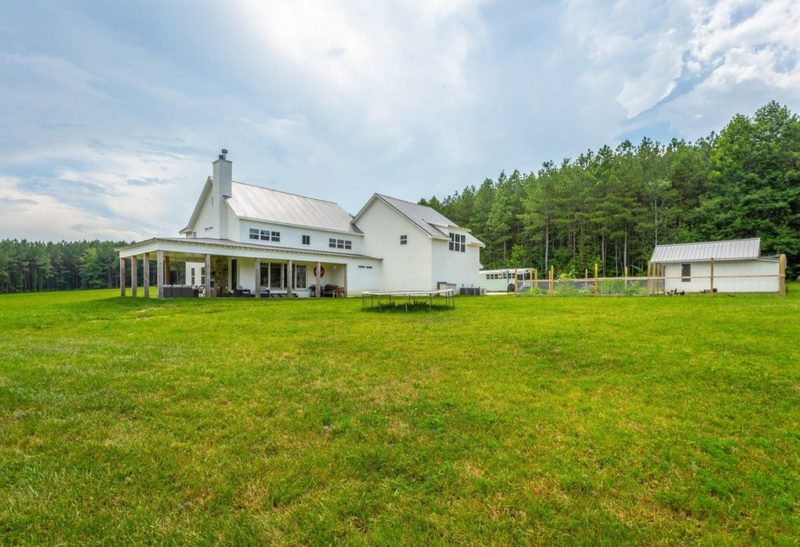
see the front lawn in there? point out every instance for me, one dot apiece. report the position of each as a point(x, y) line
point(507, 420)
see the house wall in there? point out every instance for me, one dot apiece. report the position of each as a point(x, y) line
point(702, 270)
point(207, 224)
point(461, 269)
point(292, 236)
point(404, 266)
point(362, 275)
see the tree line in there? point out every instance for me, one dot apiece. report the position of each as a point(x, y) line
point(609, 207)
point(613, 205)
point(39, 266)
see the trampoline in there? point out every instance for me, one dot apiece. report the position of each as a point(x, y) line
point(409, 300)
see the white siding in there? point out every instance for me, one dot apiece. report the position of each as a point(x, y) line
point(700, 272)
point(461, 269)
point(207, 220)
point(292, 236)
point(404, 266)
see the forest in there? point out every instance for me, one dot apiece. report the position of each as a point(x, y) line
point(613, 205)
point(36, 266)
point(608, 207)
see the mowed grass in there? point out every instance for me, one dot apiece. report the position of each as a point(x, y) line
point(508, 420)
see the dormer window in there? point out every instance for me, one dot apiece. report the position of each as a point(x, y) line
point(253, 233)
point(306, 240)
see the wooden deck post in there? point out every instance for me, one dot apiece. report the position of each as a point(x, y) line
point(146, 274)
point(122, 277)
point(317, 271)
point(711, 277)
point(134, 276)
point(782, 275)
point(160, 273)
point(207, 289)
point(258, 278)
point(289, 279)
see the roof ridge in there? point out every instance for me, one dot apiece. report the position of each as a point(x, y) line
point(707, 242)
point(284, 192)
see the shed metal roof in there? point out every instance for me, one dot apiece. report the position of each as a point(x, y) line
point(270, 205)
point(734, 249)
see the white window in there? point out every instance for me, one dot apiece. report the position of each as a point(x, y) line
point(202, 275)
point(265, 235)
point(403, 240)
point(253, 233)
point(193, 280)
point(686, 273)
point(334, 243)
point(458, 242)
point(306, 240)
point(276, 236)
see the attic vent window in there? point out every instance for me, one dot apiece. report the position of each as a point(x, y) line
point(458, 242)
point(306, 240)
point(403, 240)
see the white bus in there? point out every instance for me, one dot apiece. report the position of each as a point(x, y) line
point(505, 280)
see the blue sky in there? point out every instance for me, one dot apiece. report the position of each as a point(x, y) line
point(113, 111)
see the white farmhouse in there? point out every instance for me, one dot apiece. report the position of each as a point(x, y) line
point(722, 266)
point(265, 242)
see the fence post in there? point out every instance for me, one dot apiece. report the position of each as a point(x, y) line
point(516, 281)
point(552, 277)
point(649, 282)
point(586, 279)
point(595, 278)
point(626, 276)
point(712, 274)
point(782, 275)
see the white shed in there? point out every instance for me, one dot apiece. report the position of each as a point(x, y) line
point(722, 266)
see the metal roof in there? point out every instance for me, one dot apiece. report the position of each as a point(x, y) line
point(205, 242)
point(269, 205)
point(430, 220)
point(734, 249)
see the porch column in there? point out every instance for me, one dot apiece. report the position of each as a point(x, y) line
point(258, 278)
point(160, 273)
point(122, 277)
point(166, 271)
point(134, 276)
point(289, 281)
point(146, 274)
point(208, 277)
point(345, 280)
point(316, 276)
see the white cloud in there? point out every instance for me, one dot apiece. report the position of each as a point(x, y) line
point(392, 69)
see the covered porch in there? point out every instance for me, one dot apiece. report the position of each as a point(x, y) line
point(219, 268)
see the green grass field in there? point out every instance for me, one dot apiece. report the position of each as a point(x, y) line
point(507, 420)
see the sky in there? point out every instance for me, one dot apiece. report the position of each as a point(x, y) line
point(112, 112)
